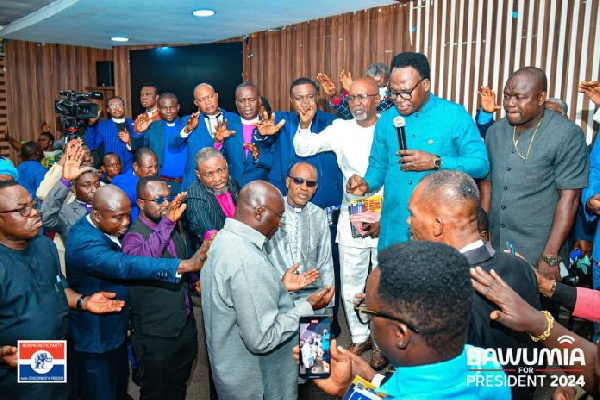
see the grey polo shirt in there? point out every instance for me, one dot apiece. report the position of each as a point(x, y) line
point(525, 192)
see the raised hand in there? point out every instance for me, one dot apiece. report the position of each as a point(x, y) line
point(124, 137)
point(8, 355)
point(306, 114)
point(221, 132)
point(488, 100)
point(592, 90)
point(73, 157)
point(192, 122)
point(176, 208)
point(142, 123)
point(416, 160)
point(514, 312)
point(346, 80)
point(322, 298)
point(253, 149)
point(102, 303)
point(357, 185)
point(293, 281)
point(266, 126)
point(326, 84)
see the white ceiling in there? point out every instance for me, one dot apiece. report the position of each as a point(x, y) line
point(93, 22)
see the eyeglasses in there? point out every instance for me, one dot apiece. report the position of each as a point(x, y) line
point(161, 199)
point(115, 106)
point(207, 97)
point(365, 315)
point(244, 101)
point(25, 210)
point(360, 97)
point(220, 171)
point(403, 94)
point(281, 215)
point(300, 181)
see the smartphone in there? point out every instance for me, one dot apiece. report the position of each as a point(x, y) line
point(315, 347)
point(510, 247)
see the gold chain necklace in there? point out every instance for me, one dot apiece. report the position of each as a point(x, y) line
point(515, 141)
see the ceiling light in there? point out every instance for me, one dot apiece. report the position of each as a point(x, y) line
point(203, 13)
point(119, 39)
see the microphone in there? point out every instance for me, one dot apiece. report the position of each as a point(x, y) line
point(399, 123)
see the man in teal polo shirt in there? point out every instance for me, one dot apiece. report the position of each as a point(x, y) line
point(438, 132)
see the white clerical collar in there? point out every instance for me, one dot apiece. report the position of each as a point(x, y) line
point(295, 209)
point(252, 121)
point(472, 246)
point(170, 124)
point(111, 237)
point(119, 120)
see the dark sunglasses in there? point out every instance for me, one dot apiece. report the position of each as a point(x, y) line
point(300, 181)
point(160, 200)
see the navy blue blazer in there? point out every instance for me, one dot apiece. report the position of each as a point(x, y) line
point(198, 139)
point(282, 156)
point(242, 167)
point(95, 263)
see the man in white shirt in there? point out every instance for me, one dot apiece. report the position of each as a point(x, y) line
point(351, 142)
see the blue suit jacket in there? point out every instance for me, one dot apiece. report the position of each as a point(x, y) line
point(282, 156)
point(105, 132)
point(95, 263)
point(242, 167)
point(154, 139)
point(127, 182)
point(198, 139)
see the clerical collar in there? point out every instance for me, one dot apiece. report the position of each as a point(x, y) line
point(85, 205)
point(170, 124)
point(296, 209)
point(252, 121)
point(119, 120)
point(472, 246)
point(216, 116)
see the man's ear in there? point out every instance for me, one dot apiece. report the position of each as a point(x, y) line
point(258, 213)
point(402, 335)
point(542, 97)
point(73, 188)
point(438, 227)
point(426, 85)
point(95, 215)
point(197, 173)
point(140, 203)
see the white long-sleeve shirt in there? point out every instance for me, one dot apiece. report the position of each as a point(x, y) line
point(351, 144)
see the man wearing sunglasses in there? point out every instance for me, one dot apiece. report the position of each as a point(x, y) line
point(164, 335)
point(438, 133)
point(303, 240)
point(351, 141)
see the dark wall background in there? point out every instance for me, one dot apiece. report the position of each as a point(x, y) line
point(179, 69)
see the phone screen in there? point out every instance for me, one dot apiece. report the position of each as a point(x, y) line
point(315, 347)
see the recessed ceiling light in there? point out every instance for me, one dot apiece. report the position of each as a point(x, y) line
point(119, 39)
point(203, 13)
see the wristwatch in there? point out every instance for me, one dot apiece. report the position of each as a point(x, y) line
point(551, 260)
point(437, 162)
point(79, 303)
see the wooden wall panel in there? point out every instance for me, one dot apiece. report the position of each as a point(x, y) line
point(476, 43)
point(36, 72)
point(350, 41)
point(4, 146)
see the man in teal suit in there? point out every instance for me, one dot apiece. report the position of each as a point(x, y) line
point(439, 134)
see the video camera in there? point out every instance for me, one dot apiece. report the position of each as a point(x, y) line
point(75, 110)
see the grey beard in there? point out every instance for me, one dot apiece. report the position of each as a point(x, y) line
point(212, 191)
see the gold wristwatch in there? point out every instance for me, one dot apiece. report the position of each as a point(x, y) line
point(551, 260)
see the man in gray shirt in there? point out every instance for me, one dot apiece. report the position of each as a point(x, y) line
point(539, 164)
point(250, 319)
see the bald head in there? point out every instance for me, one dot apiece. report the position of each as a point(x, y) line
point(524, 98)
point(534, 75)
point(109, 197)
point(363, 99)
point(367, 83)
point(260, 206)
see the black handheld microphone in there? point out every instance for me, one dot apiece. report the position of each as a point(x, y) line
point(399, 123)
